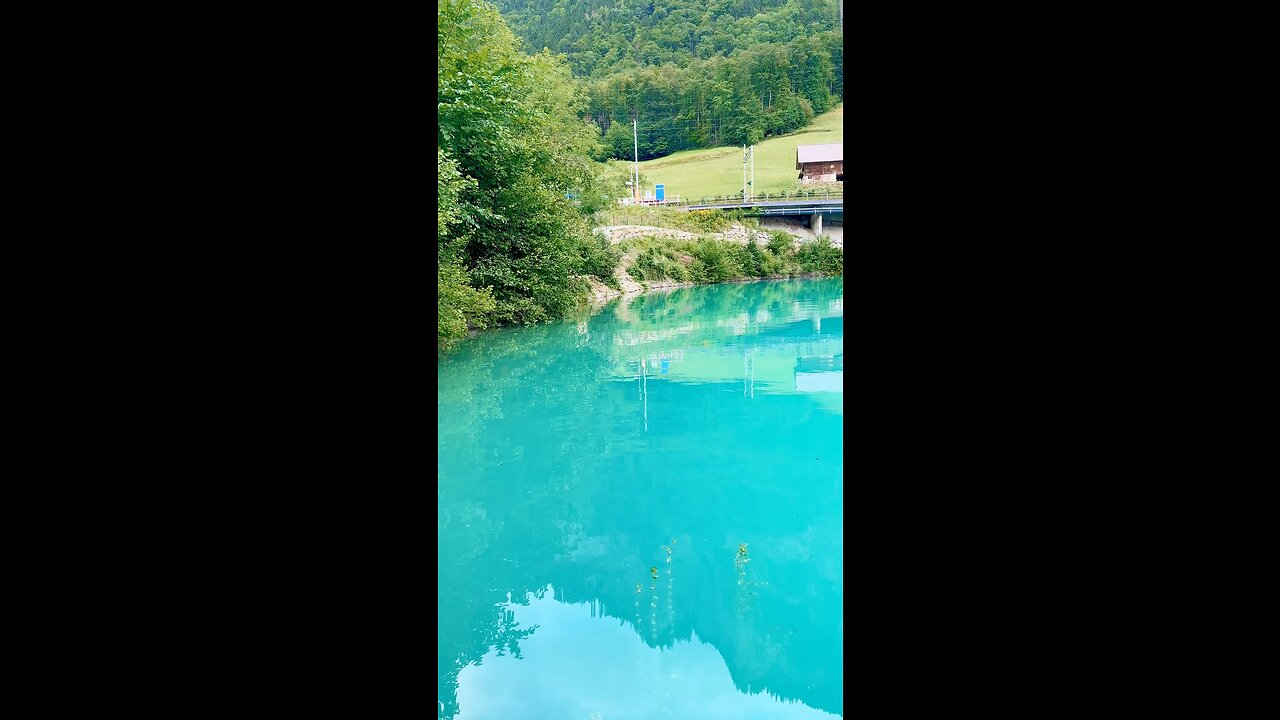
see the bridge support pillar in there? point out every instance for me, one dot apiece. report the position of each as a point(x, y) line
point(815, 223)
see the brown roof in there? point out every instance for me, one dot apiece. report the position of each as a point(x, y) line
point(819, 153)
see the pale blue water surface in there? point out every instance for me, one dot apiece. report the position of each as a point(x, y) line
point(664, 434)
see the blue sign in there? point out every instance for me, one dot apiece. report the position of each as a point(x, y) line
point(659, 189)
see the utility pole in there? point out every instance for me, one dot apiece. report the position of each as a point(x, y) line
point(753, 171)
point(744, 173)
point(635, 137)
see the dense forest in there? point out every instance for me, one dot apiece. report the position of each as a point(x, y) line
point(604, 37)
point(692, 73)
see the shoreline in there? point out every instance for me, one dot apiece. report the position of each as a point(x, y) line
point(595, 303)
point(600, 294)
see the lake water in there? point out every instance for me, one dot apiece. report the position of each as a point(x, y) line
point(641, 512)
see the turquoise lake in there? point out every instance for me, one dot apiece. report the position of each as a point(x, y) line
point(641, 510)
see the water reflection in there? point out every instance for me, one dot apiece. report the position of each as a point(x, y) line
point(770, 341)
point(627, 679)
point(624, 458)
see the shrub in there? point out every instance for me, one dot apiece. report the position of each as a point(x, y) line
point(752, 259)
point(659, 264)
point(781, 244)
point(460, 306)
point(771, 264)
point(820, 257)
point(599, 258)
point(717, 264)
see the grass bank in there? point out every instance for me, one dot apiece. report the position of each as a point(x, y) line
point(718, 171)
point(695, 221)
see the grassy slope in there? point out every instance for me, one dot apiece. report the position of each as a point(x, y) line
point(718, 171)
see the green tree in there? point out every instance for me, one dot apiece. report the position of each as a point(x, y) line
point(511, 126)
point(618, 140)
point(460, 306)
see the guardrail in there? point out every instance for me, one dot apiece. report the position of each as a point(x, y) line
point(736, 200)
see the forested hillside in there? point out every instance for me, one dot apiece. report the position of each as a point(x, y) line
point(518, 132)
point(602, 37)
point(693, 73)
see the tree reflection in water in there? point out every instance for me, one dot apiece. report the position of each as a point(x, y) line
point(553, 472)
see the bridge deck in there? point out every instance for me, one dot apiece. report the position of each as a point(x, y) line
point(775, 207)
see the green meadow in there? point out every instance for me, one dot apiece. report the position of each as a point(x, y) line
point(718, 171)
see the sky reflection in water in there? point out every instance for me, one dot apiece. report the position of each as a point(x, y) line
point(572, 455)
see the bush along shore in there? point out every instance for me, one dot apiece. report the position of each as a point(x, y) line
point(660, 261)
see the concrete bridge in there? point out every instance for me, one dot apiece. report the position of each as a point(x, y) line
point(815, 208)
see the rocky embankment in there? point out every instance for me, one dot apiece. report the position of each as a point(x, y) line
point(797, 229)
point(737, 233)
point(599, 292)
